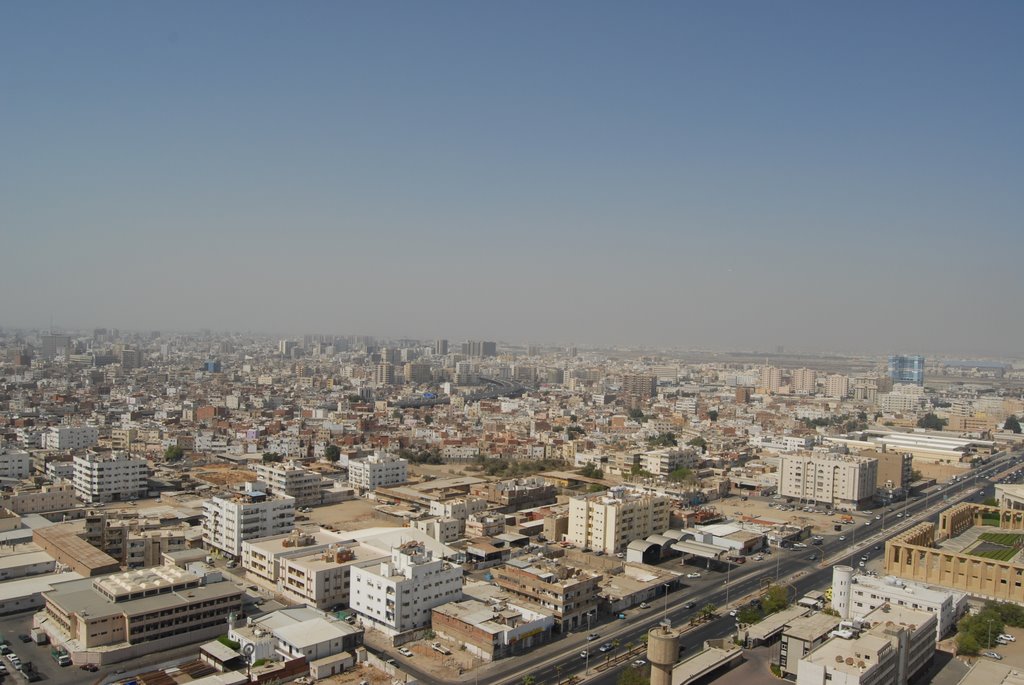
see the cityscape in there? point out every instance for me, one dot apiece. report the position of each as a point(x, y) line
point(576, 343)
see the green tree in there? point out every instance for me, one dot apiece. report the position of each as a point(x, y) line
point(1012, 424)
point(681, 474)
point(931, 422)
point(708, 610)
point(915, 475)
point(272, 458)
point(749, 614)
point(174, 453)
point(332, 453)
point(662, 440)
point(592, 471)
point(775, 599)
point(529, 680)
point(713, 415)
point(632, 676)
point(966, 644)
point(990, 502)
point(699, 442)
point(637, 415)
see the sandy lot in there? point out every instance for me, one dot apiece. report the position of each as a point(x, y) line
point(352, 515)
point(820, 524)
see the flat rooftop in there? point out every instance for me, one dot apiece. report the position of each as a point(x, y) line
point(810, 628)
point(841, 655)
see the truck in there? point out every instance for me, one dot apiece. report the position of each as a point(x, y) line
point(845, 518)
point(39, 636)
point(61, 656)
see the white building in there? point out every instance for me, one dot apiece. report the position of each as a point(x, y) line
point(838, 480)
point(228, 521)
point(110, 477)
point(397, 595)
point(663, 462)
point(837, 385)
point(378, 470)
point(292, 480)
point(782, 443)
point(855, 596)
point(70, 437)
point(15, 464)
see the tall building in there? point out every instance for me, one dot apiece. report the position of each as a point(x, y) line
point(398, 594)
point(228, 521)
point(380, 470)
point(479, 348)
point(906, 369)
point(291, 480)
point(384, 374)
point(440, 347)
point(837, 480)
point(53, 345)
point(837, 385)
point(110, 478)
point(610, 520)
point(285, 347)
point(805, 381)
point(771, 378)
point(70, 437)
point(639, 386)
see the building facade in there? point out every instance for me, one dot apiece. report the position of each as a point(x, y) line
point(837, 480)
point(229, 521)
point(110, 477)
point(291, 480)
point(906, 369)
point(610, 520)
point(379, 470)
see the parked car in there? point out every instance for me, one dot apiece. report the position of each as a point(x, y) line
point(1007, 637)
point(644, 605)
point(693, 575)
point(405, 651)
point(24, 638)
point(639, 663)
point(592, 637)
point(993, 655)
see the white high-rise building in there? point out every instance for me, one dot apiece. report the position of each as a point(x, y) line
point(398, 594)
point(292, 480)
point(111, 477)
point(228, 521)
point(15, 464)
point(70, 437)
point(837, 385)
point(771, 378)
point(610, 520)
point(805, 381)
point(838, 480)
point(379, 470)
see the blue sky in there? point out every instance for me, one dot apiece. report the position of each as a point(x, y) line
point(737, 175)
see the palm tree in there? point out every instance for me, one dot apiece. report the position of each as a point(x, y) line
point(529, 680)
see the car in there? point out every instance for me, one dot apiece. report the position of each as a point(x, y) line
point(878, 518)
point(620, 555)
point(867, 523)
point(812, 557)
point(583, 654)
point(799, 545)
point(25, 638)
point(864, 557)
point(5, 649)
point(606, 647)
point(899, 515)
point(733, 613)
point(861, 564)
point(254, 588)
point(689, 605)
point(759, 557)
point(693, 575)
point(92, 668)
point(639, 663)
point(869, 513)
point(1007, 637)
point(993, 655)
point(645, 605)
point(592, 637)
point(842, 538)
point(405, 651)
point(621, 615)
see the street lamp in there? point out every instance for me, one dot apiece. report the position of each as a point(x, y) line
point(588, 640)
point(664, 616)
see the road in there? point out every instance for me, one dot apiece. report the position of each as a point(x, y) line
point(559, 659)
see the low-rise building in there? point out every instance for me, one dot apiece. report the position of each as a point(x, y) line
point(229, 521)
point(14, 464)
point(291, 480)
point(32, 499)
point(110, 477)
point(837, 480)
point(569, 594)
point(609, 521)
point(379, 470)
point(70, 437)
point(492, 631)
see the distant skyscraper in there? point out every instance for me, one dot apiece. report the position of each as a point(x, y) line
point(771, 378)
point(440, 347)
point(54, 344)
point(906, 369)
point(804, 381)
point(639, 386)
point(479, 348)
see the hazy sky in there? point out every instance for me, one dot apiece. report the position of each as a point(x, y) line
point(844, 176)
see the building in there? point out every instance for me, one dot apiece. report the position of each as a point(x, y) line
point(384, 374)
point(898, 645)
point(110, 477)
point(837, 385)
point(125, 615)
point(379, 470)
point(262, 557)
point(492, 631)
point(837, 480)
point(859, 595)
point(229, 521)
point(55, 345)
point(291, 480)
point(771, 378)
point(325, 643)
point(610, 520)
point(397, 595)
point(32, 499)
point(895, 473)
point(324, 579)
point(639, 387)
point(517, 494)
point(799, 637)
point(70, 437)
point(440, 347)
point(664, 462)
point(906, 369)
point(567, 593)
point(478, 349)
point(804, 381)
point(14, 464)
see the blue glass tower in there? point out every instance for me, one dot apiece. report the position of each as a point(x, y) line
point(906, 369)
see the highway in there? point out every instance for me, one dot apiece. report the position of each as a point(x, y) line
point(561, 657)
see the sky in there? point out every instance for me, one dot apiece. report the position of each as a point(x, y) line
point(741, 175)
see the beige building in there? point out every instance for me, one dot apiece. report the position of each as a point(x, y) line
point(291, 480)
point(610, 520)
point(35, 500)
point(771, 378)
point(119, 616)
point(323, 579)
point(568, 594)
point(805, 381)
point(837, 480)
point(837, 385)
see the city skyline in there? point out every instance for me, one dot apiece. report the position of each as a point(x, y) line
point(681, 176)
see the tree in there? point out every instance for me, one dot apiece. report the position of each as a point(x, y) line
point(966, 644)
point(332, 453)
point(637, 415)
point(990, 502)
point(592, 471)
point(272, 458)
point(713, 415)
point(529, 680)
point(915, 475)
point(1012, 424)
point(708, 610)
point(699, 442)
point(775, 599)
point(749, 614)
point(174, 453)
point(662, 440)
point(632, 676)
point(931, 422)
point(680, 474)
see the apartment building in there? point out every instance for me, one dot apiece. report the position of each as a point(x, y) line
point(379, 470)
point(291, 480)
point(262, 557)
point(837, 385)
point(111, 477)
point(516, 494)
point(492, 631)
point(14, 464)
point(567, 593)
point(397, 595)
point(324, 579)
point(70, 437)
point(38, 499)
point(804, 381)
point(135, 542)
point(663, 462)
point(895, 472)
point(837, 480)
point(771, 378)
point(123, 615)
point(610, 520)
point(639, 386)
point(229, 521)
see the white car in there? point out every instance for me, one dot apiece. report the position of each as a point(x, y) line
point(405, 652)
point(1007, 637)
point(841, 538)
point(693, 575)
point(639, 663)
